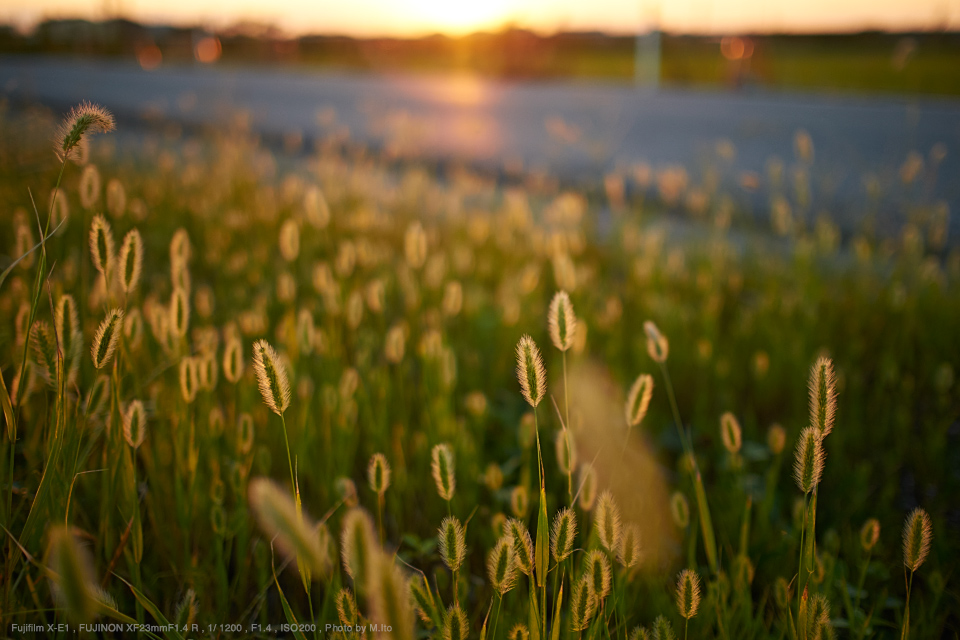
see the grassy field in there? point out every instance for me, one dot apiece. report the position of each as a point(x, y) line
point(242, 391)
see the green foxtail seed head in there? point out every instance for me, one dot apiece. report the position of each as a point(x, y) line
point(106, 338)
point(588, 487)
point(607, 521)
point(346, 607)
point(415, 245)
point(639, 633)
point(390, 606)
point(72, 576)
point(67, 324)
point(662, 629)
point(519, 501)
point(245, 433)
point(442, 465)
point(423, 598)
point(271, 377)
point(233, 359)
point(131, 261)
point(562, 321)
point(566, 452)
point(680, 510)
point(179, 312)
point(89, 187)
point(823, 396)
point(582, 604)
point(776, 439)
point(277, 515)
point(378, 474)
point(598, 568)
point(85, 118)
point(869, 534)
point(501, 567)
point(629, 551)
point(638, 400)
point(358, 545)
point(730, 432)
point(519, 537)
point(133, 328)
point(189, 379)
point(519, 631)
point(395, 343)
point(688, 593)
point(808, 464)
point(781, 593)
point(207, 371)
point(657, 345)
point(44, 345)
point(102, 246)
point(135, 424)
point(563, 534)
point(452, 543)
point(917, 533)
point(455, 625)
point(530, 371)
point(818, 617)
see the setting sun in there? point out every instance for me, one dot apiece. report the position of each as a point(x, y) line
point(457, 18)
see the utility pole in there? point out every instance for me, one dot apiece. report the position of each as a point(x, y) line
point(646, 65)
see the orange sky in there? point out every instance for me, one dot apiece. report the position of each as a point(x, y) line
point(419, 17)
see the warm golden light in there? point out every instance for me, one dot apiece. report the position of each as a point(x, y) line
point(457, 18)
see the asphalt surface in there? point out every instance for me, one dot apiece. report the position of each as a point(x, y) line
point(576, 131)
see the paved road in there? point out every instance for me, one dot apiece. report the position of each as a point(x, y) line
point(575, 130)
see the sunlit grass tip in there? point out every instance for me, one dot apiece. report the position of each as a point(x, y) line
point(358, 545)
point(378, 474)
point(582, 604)
point(390, 605)
point(106, 338)
point(442, 466)
point(452, 543)
point(601, 576)
point(72, 575)
point(131, 261)
point(455, 626)
point(917, 534)
point(638, 400)
point(688, 593)
point(277, 515)
point(522, 543)
point(629, 551)
point(85, 118)
point(501, 566)
point(102, 247)
point(869, 534)
point(271, 377)
point(135, 424)
point(658, 347)
point(730, 432)
point(530, 371)
point(823, 396)
point(563, 534)
point(562, 321)
point(808, 463)
point(607, 522)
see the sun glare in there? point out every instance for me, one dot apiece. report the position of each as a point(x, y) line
point(458, 18)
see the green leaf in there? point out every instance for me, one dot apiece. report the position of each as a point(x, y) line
point(170, 630)
point(542, 549)
point(555, 632)
point(7, 410)
point(706, 524)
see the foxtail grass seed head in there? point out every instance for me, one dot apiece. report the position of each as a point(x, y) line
point(271, 377)
point(358, 545)
point(116, 198)
point(639, 633)
point(629, 551)
point(917, 533)
point(83, 120)
point(426, 604)
point(869, 534)
point(501, 567)
point(415, 245)
point(289, 240)
point(808, 464)
point(607, 521)
point(823, 396)
point(730, 432)
point(72, 575)
point(598, 568)
point(131, 261)
point(455, 625)
point(102, 250)
point(562, 321)
point(67, 324)
point(133, 328)
point(563, 534)
point(519, 631)
point(347, 607)
point(189, 379)
point(657, 345)
point(776, 439)
point(662, 629)
point(179, 312)
point(44, 345)
point(347, 490)
point(442, 465)
point(452, 543)
point(566, 452)
point(378, 474)
point(519, 501)
point(89, 187)
point(106, 338)
point(180, 250)
point(530, 371)
point(688, 593)
point(781, 593)
point(207, 371)
point(638, 400)
point(680, 510)
point(390, 607)
point(395, 344)
point(135, 424)
point(305, 331)
point(97, 396)
point(519, 537)
point(245, 433)
point(588, 487)
point(583, 603)
point(233, 362)
point(278, 516)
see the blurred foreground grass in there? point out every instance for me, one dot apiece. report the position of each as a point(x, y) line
point(396, 298)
